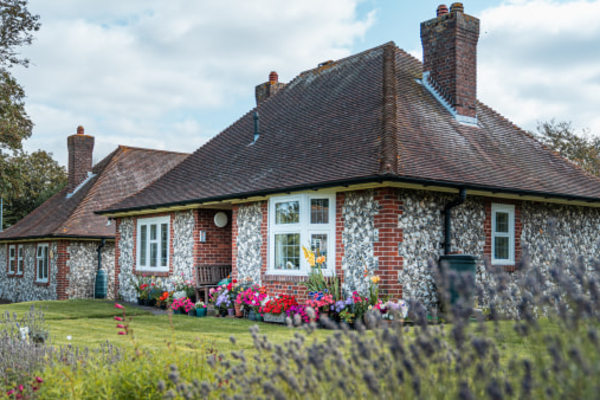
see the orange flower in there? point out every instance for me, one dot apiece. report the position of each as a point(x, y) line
point(320, 260)
point(375, 279)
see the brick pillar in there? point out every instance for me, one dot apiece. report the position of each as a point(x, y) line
point(386, 246)
point(62, 273)
point(117, 256)
point(234, 234)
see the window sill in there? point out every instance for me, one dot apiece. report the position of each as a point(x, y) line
point(161, 273)
point(15, 275)
point(274, 277)
point(42, 283)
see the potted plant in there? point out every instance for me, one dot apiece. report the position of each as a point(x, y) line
point(142, 287)
point(274, 310)
point(200, 309)
point(182, 305)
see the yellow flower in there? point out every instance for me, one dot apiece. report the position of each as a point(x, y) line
point(320, 260)
point(309, 255)
point(375, 279)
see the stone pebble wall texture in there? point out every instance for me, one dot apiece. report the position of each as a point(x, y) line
point(358, 236)
point(553, 236)
point(182, 257)
point(82, 265)
point(423, 237)
point(249, 242)
point(24, 288)
point(126, 277)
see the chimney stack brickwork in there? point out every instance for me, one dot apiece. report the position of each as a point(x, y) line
point(450, 56)
point(269, 88)
point(81, 148)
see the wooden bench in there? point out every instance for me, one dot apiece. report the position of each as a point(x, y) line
point(208, 276)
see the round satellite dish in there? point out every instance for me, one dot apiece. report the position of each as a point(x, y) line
point(220, 219)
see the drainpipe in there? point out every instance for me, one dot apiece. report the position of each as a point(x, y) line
point(447, 221)
point(101, 286)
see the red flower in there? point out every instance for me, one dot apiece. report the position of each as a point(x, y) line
point(122, 333)
point(117, 305)
point(118, 319)
point(120, 326)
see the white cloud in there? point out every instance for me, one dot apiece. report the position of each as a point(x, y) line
point(135, 72)
point(540, 60)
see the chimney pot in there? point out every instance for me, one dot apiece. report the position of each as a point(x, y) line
point(442, 10)
point(273, 77)
point(80, 130)
point(457, 8)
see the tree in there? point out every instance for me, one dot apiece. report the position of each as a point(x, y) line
point(17, 25)
point(582, 149)
point(31, 180)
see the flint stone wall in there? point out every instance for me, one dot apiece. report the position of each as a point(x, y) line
point(182, 258)
point(83, 263)
point(249, 242)
point(358, 236)
point(24, 288)
point(126, 277)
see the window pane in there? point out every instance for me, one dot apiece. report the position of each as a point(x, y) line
point(39, 268)
point(153, 232)
point(501, 248)
point(287, 212)
point(287, 251)
point(318, 244)
point(502, 222)
point(319, 211)
point(153, 254)
point(143, 248)
point(164, 245)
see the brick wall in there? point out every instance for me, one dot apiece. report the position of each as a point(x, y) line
point(218, 246)
point(80, 149)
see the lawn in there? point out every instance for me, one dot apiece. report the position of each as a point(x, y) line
point(89, 323)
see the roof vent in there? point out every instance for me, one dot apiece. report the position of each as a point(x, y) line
point(256, 127)
point(325, 63)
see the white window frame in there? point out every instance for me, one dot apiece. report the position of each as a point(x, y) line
point(510, 210)
point(12, 258)
point(305, 229)
point(20, 259)
point(44, 258)
point(158, 221)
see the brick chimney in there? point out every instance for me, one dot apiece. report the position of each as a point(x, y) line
point(80, 147)
point(269, 88)
point(450, 59)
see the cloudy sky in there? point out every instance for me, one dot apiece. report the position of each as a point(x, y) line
point(172, 74)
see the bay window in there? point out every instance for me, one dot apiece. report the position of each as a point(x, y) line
point(153, 244)
point(301, 220)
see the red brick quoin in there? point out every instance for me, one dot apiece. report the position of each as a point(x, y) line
point(62, 272)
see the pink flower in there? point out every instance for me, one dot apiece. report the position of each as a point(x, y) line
point(21, 388)
point(117, 305)
point(120, 326)
point(122, 333)
point(118, 319)
point(10, 392)
point(38, 379)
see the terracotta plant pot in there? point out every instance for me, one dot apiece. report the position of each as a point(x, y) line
point(238, 311)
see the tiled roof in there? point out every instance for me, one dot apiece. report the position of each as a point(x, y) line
point(124, 172)
point(365, 117)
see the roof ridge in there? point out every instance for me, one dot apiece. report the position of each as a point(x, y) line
point(389, 145)
point(123, 146)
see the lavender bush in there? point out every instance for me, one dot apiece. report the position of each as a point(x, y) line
point(552, 312)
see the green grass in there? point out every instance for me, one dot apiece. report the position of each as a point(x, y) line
point(91, 322)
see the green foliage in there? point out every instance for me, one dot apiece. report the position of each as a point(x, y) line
point(582, 149)
point(27, 180)
point(17, 25)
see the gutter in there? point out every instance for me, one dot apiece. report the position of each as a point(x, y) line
point(348, 182)
point(462, 196)
point(41, 238)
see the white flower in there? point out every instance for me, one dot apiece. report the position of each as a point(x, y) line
point(69, 337)
point(24, 332)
